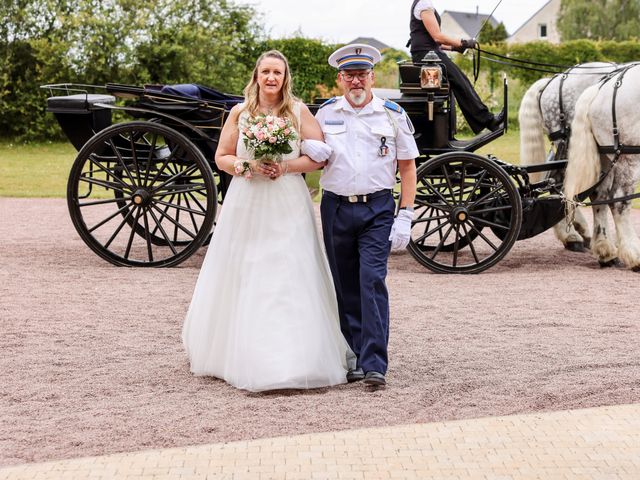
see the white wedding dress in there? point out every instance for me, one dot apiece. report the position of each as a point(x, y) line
point(264, 315)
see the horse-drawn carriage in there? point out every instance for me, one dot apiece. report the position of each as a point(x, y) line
point(145, 192)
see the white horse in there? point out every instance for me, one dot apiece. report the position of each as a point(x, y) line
point(540, 114)
point(593, 126)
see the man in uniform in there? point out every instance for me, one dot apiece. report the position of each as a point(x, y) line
point(370, 138)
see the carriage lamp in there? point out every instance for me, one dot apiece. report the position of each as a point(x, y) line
point(431, 72)
point(431, 76)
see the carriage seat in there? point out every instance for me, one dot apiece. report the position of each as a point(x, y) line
point(78, 103)
point(195, 91)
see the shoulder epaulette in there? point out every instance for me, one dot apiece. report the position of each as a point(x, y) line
point(393, 106)
point(329, 102)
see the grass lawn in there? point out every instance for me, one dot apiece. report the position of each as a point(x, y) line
point(41, 170)
point(506, 148)
point(37, 170)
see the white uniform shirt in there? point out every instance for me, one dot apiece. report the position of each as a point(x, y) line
point(356, 167)
point(421, 6)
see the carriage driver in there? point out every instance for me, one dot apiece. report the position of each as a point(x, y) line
point(370, 138)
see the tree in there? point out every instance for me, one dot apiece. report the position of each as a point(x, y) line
point(599, 19)
point(491, 34)
point(95, 42)
point(387, 73)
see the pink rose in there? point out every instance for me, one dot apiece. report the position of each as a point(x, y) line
point(286, 132)
point(272, 139)
point(260, 135)
point(282, 123)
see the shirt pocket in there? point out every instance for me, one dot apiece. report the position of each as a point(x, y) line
point(384, 137)
point(336, 137)
point(336, 129)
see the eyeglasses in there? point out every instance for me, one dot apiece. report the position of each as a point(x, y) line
point(362, 76)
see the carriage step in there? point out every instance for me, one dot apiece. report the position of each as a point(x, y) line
point(79, 103)
point(476, 142)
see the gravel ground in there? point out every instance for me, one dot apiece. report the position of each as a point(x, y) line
point(92, 361)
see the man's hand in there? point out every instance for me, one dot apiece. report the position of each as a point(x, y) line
point(401, 230)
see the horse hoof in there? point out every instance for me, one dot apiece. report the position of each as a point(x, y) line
point(636, 269)
point(575, 246)
point(587, 243)
point(614, 262)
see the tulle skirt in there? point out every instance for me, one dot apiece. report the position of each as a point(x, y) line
point(264, 314)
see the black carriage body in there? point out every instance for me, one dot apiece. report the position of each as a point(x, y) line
point(153, 178)
point(81, 115)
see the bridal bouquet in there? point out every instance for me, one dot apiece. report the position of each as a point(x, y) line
point(268, 137)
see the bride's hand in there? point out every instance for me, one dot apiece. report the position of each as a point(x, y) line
point(282, 168)
point(270, 169)
point(262, 168)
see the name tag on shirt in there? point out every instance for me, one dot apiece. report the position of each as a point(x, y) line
point(334, 122)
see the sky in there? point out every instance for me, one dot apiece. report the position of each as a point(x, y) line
point(386, 20)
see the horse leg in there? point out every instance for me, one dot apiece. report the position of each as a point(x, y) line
point(573, 235)
point(627, 172)
point(582, 227)
point(602, 247)
point(569, 235)
point(628, 241)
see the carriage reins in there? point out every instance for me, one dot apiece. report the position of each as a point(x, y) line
point(531, 65)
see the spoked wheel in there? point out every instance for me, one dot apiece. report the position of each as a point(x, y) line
point(142, 194)
point(458, 194)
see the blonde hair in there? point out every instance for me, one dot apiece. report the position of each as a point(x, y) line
point(287, 99)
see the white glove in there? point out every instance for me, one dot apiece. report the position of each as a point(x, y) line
point(401, 230)
point(316, 150)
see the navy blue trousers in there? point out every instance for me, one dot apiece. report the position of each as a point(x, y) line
point(356, 236)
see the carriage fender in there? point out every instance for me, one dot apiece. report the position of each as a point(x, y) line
point(165, 116)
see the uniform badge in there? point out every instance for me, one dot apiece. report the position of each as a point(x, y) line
point(383, 150)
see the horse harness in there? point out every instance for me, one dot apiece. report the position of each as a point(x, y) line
point(562, 135)
point(617, 148)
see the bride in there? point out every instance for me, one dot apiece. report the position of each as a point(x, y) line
point(264, 314)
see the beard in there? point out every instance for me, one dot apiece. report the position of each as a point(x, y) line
point(358, 97)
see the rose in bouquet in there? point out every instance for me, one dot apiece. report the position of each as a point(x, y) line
point(268, 137)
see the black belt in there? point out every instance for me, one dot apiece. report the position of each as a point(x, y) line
point(357, 198)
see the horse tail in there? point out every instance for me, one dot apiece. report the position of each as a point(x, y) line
point(583, 168)
point(532, 149)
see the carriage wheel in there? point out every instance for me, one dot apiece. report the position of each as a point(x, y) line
point(458, 194)
point(142, 194)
